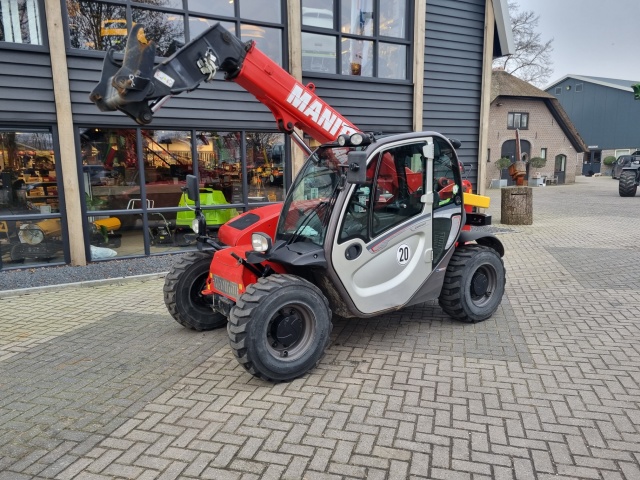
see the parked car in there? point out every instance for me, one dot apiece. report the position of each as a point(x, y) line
point(623, 161)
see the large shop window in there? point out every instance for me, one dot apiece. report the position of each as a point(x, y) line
point(102, 25)
point(372, 36)
point(30, 223)
point(134, 200)
point(20, 22)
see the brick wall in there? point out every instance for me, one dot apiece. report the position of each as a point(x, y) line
point(543, 132)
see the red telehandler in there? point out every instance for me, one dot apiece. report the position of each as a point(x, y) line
point(371, 223)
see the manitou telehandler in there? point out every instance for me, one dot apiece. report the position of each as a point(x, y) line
point(371, 223)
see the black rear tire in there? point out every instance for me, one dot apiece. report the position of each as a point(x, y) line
point(280, 328)
point(182, 293)
point(473, 284)
point(627, 186)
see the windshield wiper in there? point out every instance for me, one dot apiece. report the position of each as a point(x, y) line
point(298, 231)
point(316, 210)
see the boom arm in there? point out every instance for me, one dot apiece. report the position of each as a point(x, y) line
point(139, 89)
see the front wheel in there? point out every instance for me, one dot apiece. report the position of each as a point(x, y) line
point(279, 329)
point(183, 297)
point(473, 284)
point(627, 186)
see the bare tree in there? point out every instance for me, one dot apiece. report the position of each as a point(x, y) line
point(531, 60)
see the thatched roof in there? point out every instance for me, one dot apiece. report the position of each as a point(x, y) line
point(506, 85)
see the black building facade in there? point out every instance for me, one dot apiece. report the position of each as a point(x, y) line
point(79, 185)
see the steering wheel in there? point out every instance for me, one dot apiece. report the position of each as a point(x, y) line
point(351, 209)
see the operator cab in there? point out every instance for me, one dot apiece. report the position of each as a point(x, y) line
point(376, 235)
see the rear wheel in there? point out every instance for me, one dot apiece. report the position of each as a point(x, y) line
point(182, 293)
point(473, 284)
point(627, 186)
point(279, 329)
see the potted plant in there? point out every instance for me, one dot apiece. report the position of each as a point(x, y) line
point(503, 163)
point(609, 162)
point(537, 162)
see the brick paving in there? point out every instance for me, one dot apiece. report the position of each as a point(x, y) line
point(100, 383)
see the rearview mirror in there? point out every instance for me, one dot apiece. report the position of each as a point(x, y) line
point(357, 167)
point(455, 143)
point(193, 189)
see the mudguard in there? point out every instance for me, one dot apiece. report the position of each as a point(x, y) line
point(482, 238)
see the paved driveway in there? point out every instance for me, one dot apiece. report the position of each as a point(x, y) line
point(101, 383)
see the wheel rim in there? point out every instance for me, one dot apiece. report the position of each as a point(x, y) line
point(195, 293)
point(483, 285)
point(290, 332)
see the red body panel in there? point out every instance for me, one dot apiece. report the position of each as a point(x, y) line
point(225, 266)
point(267, 223)
point(293, 104)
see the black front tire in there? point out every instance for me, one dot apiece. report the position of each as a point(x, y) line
point(280, 328)
point(182, 293)
point(627, 186)
point(473, 284)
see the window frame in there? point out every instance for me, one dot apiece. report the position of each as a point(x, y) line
point(375, 38)
point(44, 46)
point(511, 120)
point(187, 14)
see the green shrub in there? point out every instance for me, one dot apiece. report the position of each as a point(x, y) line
point(503, 162)
point(610, 160)
point(538, 162)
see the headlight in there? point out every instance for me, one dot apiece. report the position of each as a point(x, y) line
point(261, 242)
point(195, 225)
point(342, 140)
point(357, 139)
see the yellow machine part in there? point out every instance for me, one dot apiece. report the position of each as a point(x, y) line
point(474, 200)
point(111, 223)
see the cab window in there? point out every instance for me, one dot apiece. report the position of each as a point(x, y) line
point(445, 178)
point(392, 194)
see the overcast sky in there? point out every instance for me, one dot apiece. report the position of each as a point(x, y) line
point(591, 37)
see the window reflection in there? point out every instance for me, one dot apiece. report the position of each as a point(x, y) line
point(97, 25)
point(392, 61)
point(360, 30)
point(166, 29)
point(197, 25)
point(115, 236)
point(20, 22)
point(318, 13)
point(163, 3)
point(318, 53)
point(29, 187)
point(262, 10)
point(219, 7)
point(268, 40)
point(357, 57)
point(357, 17)
point(266, 160)
point(392, 18)
point(125, 188)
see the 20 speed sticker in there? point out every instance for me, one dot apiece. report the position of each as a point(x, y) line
point(403, 255)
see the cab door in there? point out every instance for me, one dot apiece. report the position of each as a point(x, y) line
point(382, 253)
